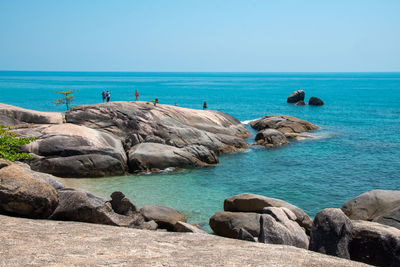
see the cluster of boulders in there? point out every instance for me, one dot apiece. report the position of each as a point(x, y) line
point(114, 138)
point(352, 232)
point(31, 194)
point(275, 130)
point(297, 98)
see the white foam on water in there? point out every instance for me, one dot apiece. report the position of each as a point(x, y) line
point(319, 135)
point(248, 121)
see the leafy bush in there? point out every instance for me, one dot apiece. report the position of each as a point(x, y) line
point(10, 144)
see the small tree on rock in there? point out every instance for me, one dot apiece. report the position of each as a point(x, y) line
point(10, 144)
point(67, 99)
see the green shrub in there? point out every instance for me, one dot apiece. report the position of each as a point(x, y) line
point(10, 144)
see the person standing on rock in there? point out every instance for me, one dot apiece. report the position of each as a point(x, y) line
point(155, 101)
point(204, 105)
point(103, 94)
point(136, 95)
point(108, 95)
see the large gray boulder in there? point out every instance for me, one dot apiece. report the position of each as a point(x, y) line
point(291, 127)
point(377, 205)
point(296, 96)
point(121, 204)
point(228, 224)
point(153, 156)
point(12, 115)
point(24, 195)
point(271, 138)
point(133, 122)
point(165, 217)
point(256, 203)
point(331, 233)
point(279, 226)
point(69, 150)
point(375, 244)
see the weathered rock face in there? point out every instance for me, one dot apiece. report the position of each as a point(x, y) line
point(315, 101)
point(133, 122)
point(102, 245)
point(291, 127)
point(82, 206)
point(228, 224)
point(376, 205)
point(375, 244)
point(24, 195)
point(331, 233)
point(165, 217)
point(69, 150)
point(152, 156)
point(121, 204)
point(244, 235)
point(256, 203)
point(296, 96)
point(48, 178)
point(278, 226)
point(271, 138)
point(11, 115)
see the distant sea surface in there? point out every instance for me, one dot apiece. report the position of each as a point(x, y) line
point(356, 150)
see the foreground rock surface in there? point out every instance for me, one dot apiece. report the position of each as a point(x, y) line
point(24, 195)
point(73, 243)
point(256, 203)
point(382, 206)
point(375, 244)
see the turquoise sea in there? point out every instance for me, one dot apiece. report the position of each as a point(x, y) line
point(357, 148)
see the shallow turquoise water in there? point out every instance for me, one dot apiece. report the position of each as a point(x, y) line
point(357, 149)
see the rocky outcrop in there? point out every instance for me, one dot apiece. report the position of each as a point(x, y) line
point(82, 244)
point(12, 115)
point(271, 138)
point(331, 233)
point(228, 224)
point(256, 203)
point(296, 96)
point(121, 204)
point(279, 226)
point(188, 228)
point(155, 157)
point(292, 127)
point(165, 217)
point(69, 150)
point(377, 205)
point(244, 235)
point(375, 244)
point(24, 195)
point(315, 101)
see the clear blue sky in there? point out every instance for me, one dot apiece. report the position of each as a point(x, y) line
point(201, 35)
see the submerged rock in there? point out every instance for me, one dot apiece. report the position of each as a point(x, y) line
point(331, 233)
point(315, 101)
point(24, 195)
point(256, 203)
point(296, 96)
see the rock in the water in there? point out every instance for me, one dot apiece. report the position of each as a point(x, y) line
point(133, 122)
point(277, 227)
point(121, 204)
point(202, 153)
point(165, 217)
point(24, 195)
point(256, 203)
point(12, 115)
point(331, 233)
point(82, 206)
point(315, 101)
point(296, 96)
point(289, 126)
point(69, 150)
point(153, 156)
point(375, 244)
point(271, 138)
point(228, 224)
point(301, 103)
point(374, 205)
point(244, 235)
point(188, 228)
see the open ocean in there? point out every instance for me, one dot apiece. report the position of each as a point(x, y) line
point(356, 150)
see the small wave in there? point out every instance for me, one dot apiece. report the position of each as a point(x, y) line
point(248, 121)
point(320, 135)
point(169, 169)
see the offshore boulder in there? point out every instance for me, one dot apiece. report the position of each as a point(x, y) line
point(296, 96)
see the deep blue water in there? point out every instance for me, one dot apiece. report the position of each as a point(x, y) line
point(357, 149)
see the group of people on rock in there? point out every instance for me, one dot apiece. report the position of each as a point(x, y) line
point(106, 98)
